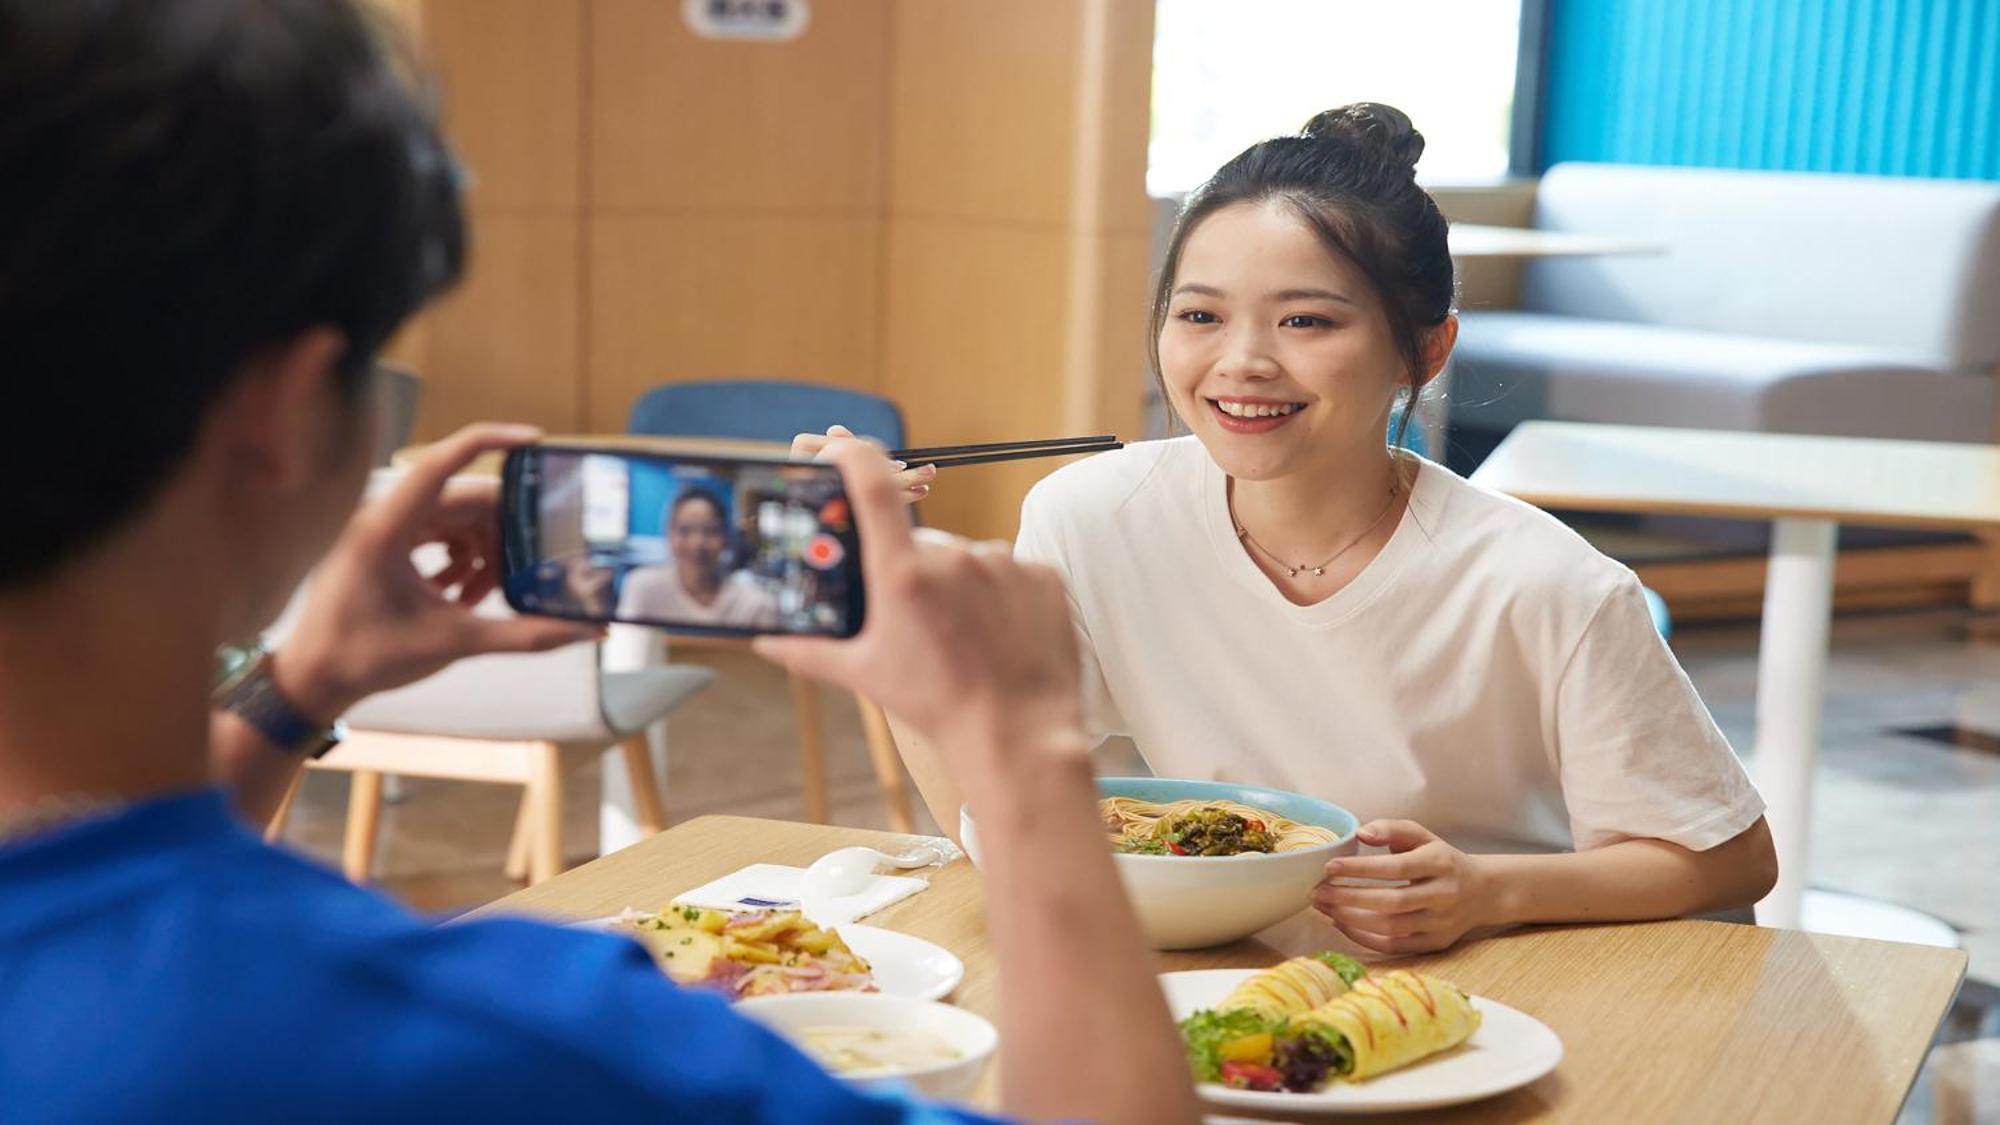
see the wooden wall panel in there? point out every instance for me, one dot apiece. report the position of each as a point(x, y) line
point(1018, 232)
point(684, 297)
point(973, 349)
point(1125, 93)
point(512, 73)
point(508, 343)
point(678, 121)
point(991, 131)
point(939, 200)
point(1119, 403)
point(504, 345)
point(982, 113)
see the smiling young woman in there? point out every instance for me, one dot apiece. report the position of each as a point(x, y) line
point(1283, 598)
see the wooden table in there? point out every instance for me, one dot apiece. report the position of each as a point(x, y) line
point(1667, 1021)
point(1807, 486)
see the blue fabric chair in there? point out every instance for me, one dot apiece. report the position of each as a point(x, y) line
point(1413, 440)
point(774, 411)
point(763, 410)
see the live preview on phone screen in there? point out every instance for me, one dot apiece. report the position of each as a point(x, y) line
point(698, 544)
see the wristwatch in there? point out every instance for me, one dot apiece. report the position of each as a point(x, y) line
point(252, 695)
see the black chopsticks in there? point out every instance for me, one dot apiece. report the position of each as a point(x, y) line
point(949, 456)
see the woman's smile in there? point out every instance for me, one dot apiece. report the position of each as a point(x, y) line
point(1244, 414)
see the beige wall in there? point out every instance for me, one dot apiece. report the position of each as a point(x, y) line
point(937, 200)
point(1489, 283)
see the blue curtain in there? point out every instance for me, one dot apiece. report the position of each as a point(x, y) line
point(1886, 87)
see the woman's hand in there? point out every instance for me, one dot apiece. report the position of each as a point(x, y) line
point(968, 647)
point(915, 483)
point(1445, 891)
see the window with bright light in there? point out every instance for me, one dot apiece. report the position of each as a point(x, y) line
point(1229, 73)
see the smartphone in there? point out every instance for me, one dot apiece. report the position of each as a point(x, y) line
point(692, 544)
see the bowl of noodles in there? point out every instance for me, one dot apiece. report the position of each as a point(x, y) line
point(1208, 862)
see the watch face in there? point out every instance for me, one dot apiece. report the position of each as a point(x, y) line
point(251, 695)
point(232, 661)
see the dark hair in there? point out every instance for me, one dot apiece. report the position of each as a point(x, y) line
point(1350, 174)
point(695, 492)
point(187, 183)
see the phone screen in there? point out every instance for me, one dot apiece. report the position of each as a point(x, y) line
point(692, 544)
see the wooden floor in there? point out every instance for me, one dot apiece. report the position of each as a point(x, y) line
point(1901, 816)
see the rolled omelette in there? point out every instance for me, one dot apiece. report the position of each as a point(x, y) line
point(1392, 1019)
point(1287, 989)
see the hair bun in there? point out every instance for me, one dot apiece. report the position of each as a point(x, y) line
point(1373, 127)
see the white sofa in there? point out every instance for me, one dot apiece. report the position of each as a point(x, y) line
point(1785, 302)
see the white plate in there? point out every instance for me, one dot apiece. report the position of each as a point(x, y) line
point(1510, 1049)
point(903, 965)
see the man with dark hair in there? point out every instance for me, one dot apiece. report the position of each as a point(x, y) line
point(212, 214)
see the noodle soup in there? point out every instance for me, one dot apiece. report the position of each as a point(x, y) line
point(1192, 901)
point(1204, 828)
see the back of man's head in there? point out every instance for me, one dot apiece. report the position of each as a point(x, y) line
point(184, 184)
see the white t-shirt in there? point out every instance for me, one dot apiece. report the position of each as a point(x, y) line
point(1489, 674)
point(655, 592)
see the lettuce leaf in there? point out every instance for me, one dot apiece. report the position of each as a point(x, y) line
point(1349, 969)
point(1206, 1031)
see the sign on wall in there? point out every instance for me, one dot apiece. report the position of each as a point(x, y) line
point(771, 21)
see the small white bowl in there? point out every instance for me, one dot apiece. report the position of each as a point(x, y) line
point(972, 1037)
point(1194, 902)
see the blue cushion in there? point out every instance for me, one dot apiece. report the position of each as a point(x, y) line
point(1658, 604)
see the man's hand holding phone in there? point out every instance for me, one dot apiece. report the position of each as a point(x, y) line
point(372, 621)
point(975, 652)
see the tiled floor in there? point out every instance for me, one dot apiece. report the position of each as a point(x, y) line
point(1899, 817)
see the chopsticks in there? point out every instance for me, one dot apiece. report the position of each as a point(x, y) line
point(949, 456)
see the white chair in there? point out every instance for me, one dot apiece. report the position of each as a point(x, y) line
point(510, 719)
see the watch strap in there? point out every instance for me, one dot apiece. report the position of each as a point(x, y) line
point(252, 695)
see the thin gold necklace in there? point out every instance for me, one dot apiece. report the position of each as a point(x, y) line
point(1291, 571)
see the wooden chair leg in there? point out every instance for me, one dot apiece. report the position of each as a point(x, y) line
point(275, 831)
point(812, 746)
point(545, 854)
point(1986, 583)
point(647, 802)
point(888, 763)
point(517, 844)
point(364, 818)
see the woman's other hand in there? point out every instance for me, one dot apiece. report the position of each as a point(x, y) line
point(915, 483)
point(973, 650)
point(1444, 892)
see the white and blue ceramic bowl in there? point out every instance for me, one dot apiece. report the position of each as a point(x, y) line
point(1190, 902)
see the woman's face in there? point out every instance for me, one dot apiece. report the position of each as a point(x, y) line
point(695, 535)
point(1275, 352)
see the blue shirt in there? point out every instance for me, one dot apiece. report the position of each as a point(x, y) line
point(164, 964)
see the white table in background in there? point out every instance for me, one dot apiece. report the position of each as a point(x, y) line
point(1471, 241)
point(1477, 240)
point(1807, 486)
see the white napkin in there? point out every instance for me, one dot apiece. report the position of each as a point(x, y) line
point(771, 886)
